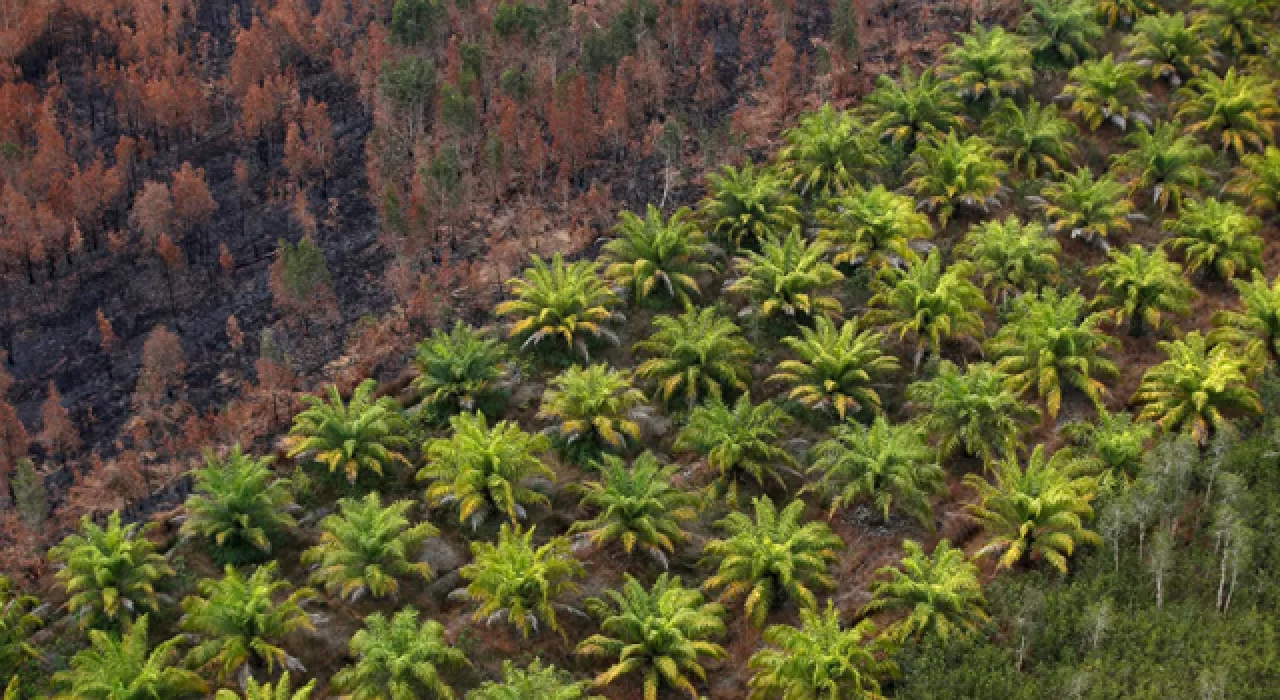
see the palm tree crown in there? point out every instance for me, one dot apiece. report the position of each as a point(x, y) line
point(1143, 286)
point(281, 690)
point(1125, 12)
point(939, 593)
point(522, 583)
point(971, 409)
point(1084, 205)
point(1062, 32)
point(238, 505)
point(1011, 257)
point(563, 304)
point(536, 681)
point(125, 668)
point(1105, 91)
point(652, 256)
point(593, 409)
point(837, 368)
point(1165, 162)
point(1190, 390)
point(361, 434)
point(788, 277)
point(458, 370)
point(638, 507)
point(368, 548)
point(1219, 237)
point(827, 152)
point(399, 659)
point(821, 659)
point(1257, 323)
point(1240, 107)
point(738, 441)
point(747, 205)
point(110, 572)
point(913, 107)
point(1175, 49)
point(1036, 139)
point(697, 354)
point(1257, 180)
point(948, 172)
point(872, 227)
point(989, 64)
point(1238, 25)
point(17, 624)
point(930, 304)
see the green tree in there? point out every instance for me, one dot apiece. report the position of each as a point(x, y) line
point(281, 690)
point(1257, 180)
point(1240, 108)
point(1239, 26)
point(362, 434)
point(1125, 12)
point(458, 370)
point(697, 354)
point(940, 594)
point(947, 172)
point(593, 409)
point(1220, 237)
point(662, 633)
point(562, 302)
point(1165, 162)
point(1084, 205)
point(400, 659)
point(973, 410)
point(1104, 90)
point(126, 668)
point(653, 256)
point(1117, 442)
point(1035, 139)
point(533, 682)
point(788, 277)
point(929, 304)
point(913, 107)
point(837, 368)
point(238, 505)
point(827, 152)
point(872, 227)
point(485, 470)
point(737, 442)
point(889, 465)
point(821, 659)
point(987, 64)
point(238, 624)
point(520, 582)
point(1175, 49)
point(637, 507)
point(747, 205)
point(1037, 511)
point(414, 20)
point(1142, 286)
point(110, 573)
point(770, 558)
point(1062, 32)
point(17, 623)
point(1190, 390)
point(1257, 324)
point(367, 548)
point(1011, 257)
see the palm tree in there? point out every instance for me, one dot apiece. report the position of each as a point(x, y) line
point(697, 354)
point(913, 107)
point(1062, 32)
point(1175, 49)
point(281, 690)
point(837, 368)
point(662, 633)
point(947, 173)
point(1163, 161)
point(890, 465)
point(827, 152)
point(485, 470)
point(17, 623)
point(973, 410)
point(1125, 12)
point(939, 593)
point(458, 370)
point(1258, 180)
point(772, 558)
point(653, 256)
point(1240, 26)
point(932, 305)
point(873, 227)
point(368, 548)
point(1240, 107)
point(1257, 324)
point(988, 64)
point(592, 409)
point(1103, 90)
point(1113, 439)
point(565, 304)
point(110, 573)
point(638, 507)
point(1038, 511)
point(737, 442)
point(363, 433)
point(238, 505)
point(1218, 236)
point(533, 682)
point(746, 205)
point(1011, 257)
point(787, 277)
point(1036, 139)
point(399, 659)
point(1190, 390)
point(1049, 342)
point(124, 668)
point(237, 623)
point(821, 659)
point(1088, 206)
point(520, 582)
point(1143, 286)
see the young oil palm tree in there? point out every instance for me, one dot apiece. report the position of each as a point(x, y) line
point(837, 368)
point(368, 548)
point(973, 410)
point(1142, 286)
point(872, 227)
point(1195, 389)
point(1173, 48)
point(459, 370)
point(1011, 257)
point(1124, 12)
point(889, 465)
point(126, 668)
point(1049, 342)
point(695, 355)
point(827, 152)
point(562, 305)
point(537, 681)
point(661, 634)
point(237, 623)
point(1240, 108)
point(1062, 32)
point(1256, 326)
point(1219, 237)
point(361, 434)
point(1037, 511)
point(1239, 26)
point(592, 410)
point(637, 507)
point(787, 278)
point(738, 442)
point(1115, 440)
point(485, 470)
point(654, 257)
point(110, 573)
point(747, 205)
point(947, 173)
point(1257, 180)
point(18, 621)
point(772, 558)
point(238, 505)
point(1035, 139)
point(522, 583)
point(1163, 161)
point(987, 64)
point(280, 690)
point(929, 304)
point(915, 106)
point(940, 594)
point(821, 659)
point(1084, 205)
point(1104, 90)
point(400, 659)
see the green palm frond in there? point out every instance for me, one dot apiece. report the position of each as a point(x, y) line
point(987, 64)
point(593, 409)
point(367, 548)
point(1239, 26)
point(789, 277)
point(695, 355)
point(1011, 257)
point(561, 305)
point(1257, 180)
point(973, 410)
point(1163, 161)
point(1124, 12)
point(1173, 48)
point(638, 507)
point(947, 173)
point(747, 205)
point(872, 227)
point(913, 107)
point(537, 681)
point(19, 619)
point(1142, 286)
point(1240, 108)
point(1196, 389)
point(1256, 326)
point(1085, 205)
point(887, 465)
point(738, 441)
point(1104, 90)
point(520, 583)
point(363, 434)
point(400, 659)
point(1062, 32)
point(829, 151)
point(110, 573)
point(939, 594)
point(126, 668)
point(238, 505)
point(458, 370)
point(837, 368)
point(280, 690)
point(821, 659)
point(653, 256)
point(1219, 237)
point(929, 305)
point(1035, 139)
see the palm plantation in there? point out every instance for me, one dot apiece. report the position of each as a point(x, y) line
point(1238, 110)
